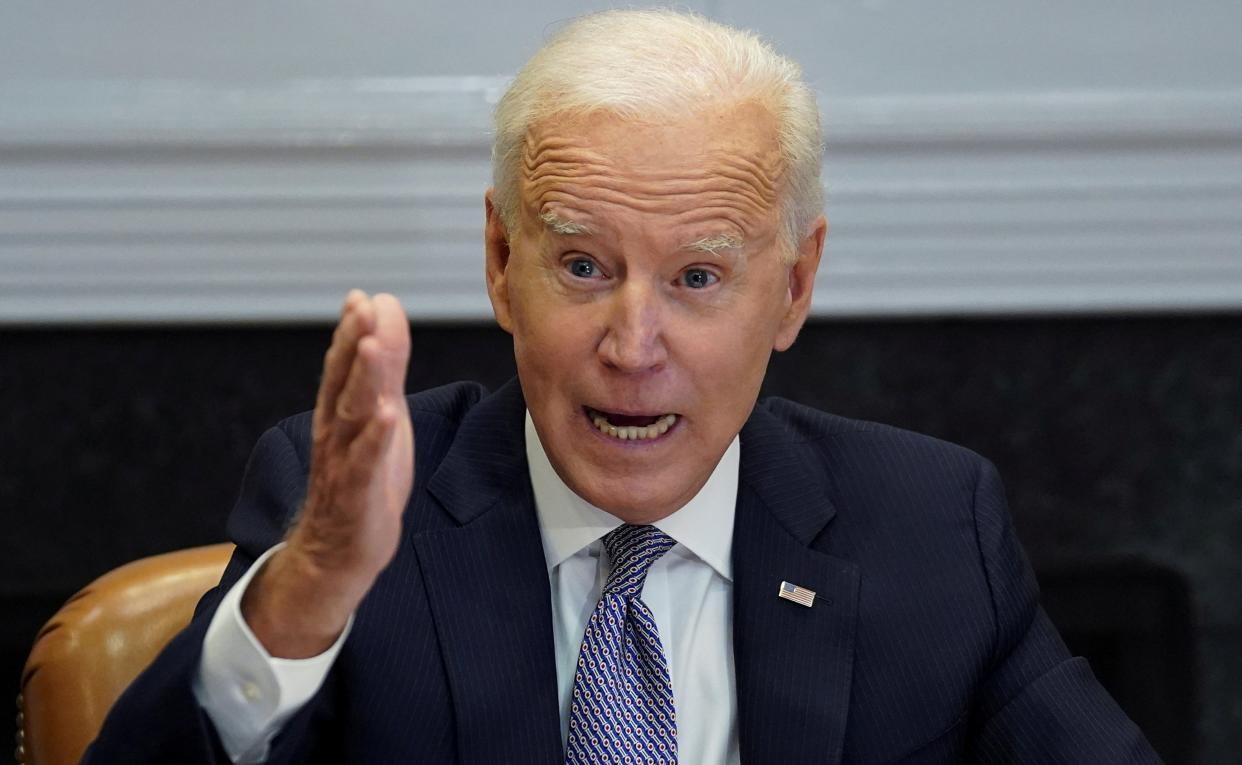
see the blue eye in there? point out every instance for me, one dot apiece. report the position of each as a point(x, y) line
point(583, 268)
point(698, 278)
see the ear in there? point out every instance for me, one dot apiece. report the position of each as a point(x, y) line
point(801, 284)
point(496, 239)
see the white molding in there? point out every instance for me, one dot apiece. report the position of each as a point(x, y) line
point(198, 202)
point(416, 111)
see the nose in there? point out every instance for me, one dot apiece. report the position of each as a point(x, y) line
point(633, 340)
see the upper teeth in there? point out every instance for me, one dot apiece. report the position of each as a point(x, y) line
point(632, 432)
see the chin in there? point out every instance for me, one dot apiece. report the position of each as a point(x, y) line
point(618, 497)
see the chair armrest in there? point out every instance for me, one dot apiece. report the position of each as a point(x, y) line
point(99, 641)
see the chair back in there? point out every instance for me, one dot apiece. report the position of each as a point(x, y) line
point(99, 641)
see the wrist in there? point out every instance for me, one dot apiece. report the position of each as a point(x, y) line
point(296, 609)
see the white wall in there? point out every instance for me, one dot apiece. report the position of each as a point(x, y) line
point(223, 161)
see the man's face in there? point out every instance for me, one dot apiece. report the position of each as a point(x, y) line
point(645, 291)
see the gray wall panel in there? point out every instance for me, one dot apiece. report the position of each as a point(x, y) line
point(232, 162)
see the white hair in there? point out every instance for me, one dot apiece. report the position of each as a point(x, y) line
point(659, 65)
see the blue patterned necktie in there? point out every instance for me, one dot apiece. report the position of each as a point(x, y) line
point(622, 709)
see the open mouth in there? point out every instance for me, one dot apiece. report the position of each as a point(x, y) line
point(631, 427)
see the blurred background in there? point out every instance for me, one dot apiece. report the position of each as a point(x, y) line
point(1035, 250)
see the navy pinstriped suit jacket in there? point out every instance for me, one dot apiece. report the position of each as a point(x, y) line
point(925, 644)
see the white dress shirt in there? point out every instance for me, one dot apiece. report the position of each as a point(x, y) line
point(249, 695)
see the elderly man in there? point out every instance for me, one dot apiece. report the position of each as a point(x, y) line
point(620, 557)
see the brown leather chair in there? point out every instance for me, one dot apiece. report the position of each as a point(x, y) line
point(98, 643)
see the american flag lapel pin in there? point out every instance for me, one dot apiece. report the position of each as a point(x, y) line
point(800, 595)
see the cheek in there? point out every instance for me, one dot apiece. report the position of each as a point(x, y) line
point(552, 349)
point(736, 338)
point(728, 363)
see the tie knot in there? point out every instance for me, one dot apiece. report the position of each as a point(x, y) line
point(632, 550)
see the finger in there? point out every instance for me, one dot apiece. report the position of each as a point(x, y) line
point(392, 329)
point(352, 298)
point(353, 301)
point(360, 396)
point(366, 452)
point(357, 320)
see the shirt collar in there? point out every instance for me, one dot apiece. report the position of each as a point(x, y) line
point(568, 523)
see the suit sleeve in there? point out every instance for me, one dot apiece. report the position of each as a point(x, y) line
point(1037, 704)
point(158, 718)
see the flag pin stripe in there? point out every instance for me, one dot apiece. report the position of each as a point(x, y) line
point(800, 595)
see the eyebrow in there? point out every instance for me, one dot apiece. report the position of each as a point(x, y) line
point(563, 227)
point(714, 243)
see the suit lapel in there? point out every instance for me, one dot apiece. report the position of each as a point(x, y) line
point(793, 663)
point(488, 587)
point(487, 581)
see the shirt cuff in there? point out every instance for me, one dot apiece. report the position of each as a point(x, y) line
point(248, 694)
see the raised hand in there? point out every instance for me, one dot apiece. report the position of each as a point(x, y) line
point(362, 468)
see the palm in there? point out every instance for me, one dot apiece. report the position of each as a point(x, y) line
point(362, 468)
point(363, 463)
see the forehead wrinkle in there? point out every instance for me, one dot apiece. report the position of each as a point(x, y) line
point(748, 177)
point(561, 160)
point(707, 212)
point(740, 187)
point(744, 211)
point(563, 154)
point(647, 196)
point(752, 174)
